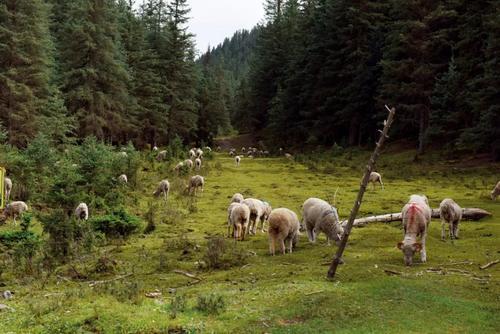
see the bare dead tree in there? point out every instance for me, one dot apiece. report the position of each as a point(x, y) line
point(362, 189)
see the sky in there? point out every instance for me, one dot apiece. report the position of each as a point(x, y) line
point(214, 20)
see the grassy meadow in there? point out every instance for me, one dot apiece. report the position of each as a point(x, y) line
point(281, 294)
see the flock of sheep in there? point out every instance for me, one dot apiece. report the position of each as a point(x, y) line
point(244, 216)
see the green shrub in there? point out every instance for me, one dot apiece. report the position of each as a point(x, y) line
point(116, 224)
point(211, 304)
point(222, 255)
point(177, 305)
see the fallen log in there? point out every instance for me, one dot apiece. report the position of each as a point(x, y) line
point(487, 265)
point(467, 214)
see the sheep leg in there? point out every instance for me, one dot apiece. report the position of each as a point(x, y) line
point(381, 183)
point(290, 245)
point(455, 230)
point(423, 253)
point(443, 230)
point(282, 246)
point(272, 245)
point(243, 231)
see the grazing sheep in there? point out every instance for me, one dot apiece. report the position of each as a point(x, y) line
point(283, 229)
point(155, 148)
point(416, 218)
point(82, 211)
point(162, 155)
point(288, 156)
point(257, 211)
point(232, 153)
point(250, 152)
point(188, 163)
point(237, 198)
point(239, 217)
point(178, 167)
point(162, 188)
point(496, 191)
point(123, 178)
point(451, 214)
point(197, 163)
point(243, 150)
point(265, 214)
point(199, 153)
point(8, 188)
point(319, 216)
point(219, 148)
point(281, 150)
point(374, 178)
point(208, 149)
point(195, 182)
point(14, 210)
point(237, 159)
point(192, 153)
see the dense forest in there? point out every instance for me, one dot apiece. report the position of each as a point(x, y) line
point(314, 71)
point(322, 70)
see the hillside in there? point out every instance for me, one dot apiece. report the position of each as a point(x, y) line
point(281, 294)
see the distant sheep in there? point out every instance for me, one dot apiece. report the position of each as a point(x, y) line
point(283, 230)
point(237, 159)
point(208, 149)
point(188, 163)
point(199, 153)
point(8, 188)
point(197, 163)
point(162, 155)
point(162, 188)
point(451, 214)
point(496, 191)
point(192, 153)
point(319, 216)
point(232, 153)
point(288, 156)
point(123, 178)
point(195, 182)
point(239, 217)
point(374, 178)
point(178, 167)
point(82, 211)
point(237, 198)
point(243, 150)
point(14, 210)
point(155, 148)
point(416, 218)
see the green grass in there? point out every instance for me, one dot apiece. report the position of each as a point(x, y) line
point(285, 294)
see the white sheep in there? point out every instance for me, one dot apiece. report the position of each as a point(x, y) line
point(257, 214)
point(243, 150)
point(197, 163)
point(237, 159)
point(495, 192)
point(319, 216)
point(374, 178)
point(162, 155)
point(237, 198)
point(162, 188)
point(283, 230)
point(123, 178)
point(8, 188)
point(195, 182)
point(14, 210)
point(416, 216)
point(208, 149)
point(288, 156)
point(82, 211)
point(238, 220)
point(178, 167)
point(155, 148)
point(192, 153)
point(232, 153)
point(199, 153)
point(451, 214)
point(188, 163)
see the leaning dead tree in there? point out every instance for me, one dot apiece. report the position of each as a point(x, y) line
point(467, 214)
point(362, 189)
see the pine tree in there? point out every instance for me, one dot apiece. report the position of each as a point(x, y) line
point(24, 66)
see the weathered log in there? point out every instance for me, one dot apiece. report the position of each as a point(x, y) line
point(467, 214)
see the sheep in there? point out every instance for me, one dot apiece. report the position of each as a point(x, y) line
point(237, 198)
point(249, 153)
point(123, 178)
point(188, 163)
point(238, 219)
point(82, 211)
point(265, 214)
point(162, 155)
point(451, 214)
point(288, 156)
point(162, 188)
point(197, 163)
point(257, 213)
point(495, 192)
point(178, 167)
point(237, 159)
point(416, 218)
point(219, 148)
point(199, 153)
point(243, 150)
point(283, 229)
point(8, 188)
point(195, 182)
point(231, 153)
point(14, 210)
point(155, 148)
point(320, 216)
point(208, 149)
point(192, 153)
point(374, 178)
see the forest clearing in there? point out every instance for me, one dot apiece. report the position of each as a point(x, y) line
point(373, 292)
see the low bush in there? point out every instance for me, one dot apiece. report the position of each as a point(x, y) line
point(117, 224)
point(222, 255)
point(211, 304)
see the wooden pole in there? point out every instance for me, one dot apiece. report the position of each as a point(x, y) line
point(362, 189)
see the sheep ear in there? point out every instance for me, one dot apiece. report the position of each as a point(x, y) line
point(400, 245)
point(418, 247)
